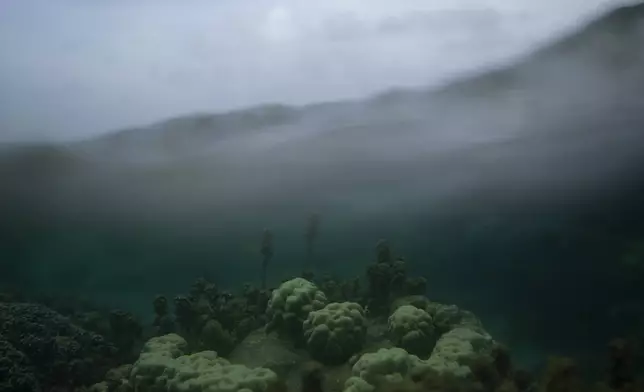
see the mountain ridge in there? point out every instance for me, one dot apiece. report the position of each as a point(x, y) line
point(498, 129)
point(619, 22)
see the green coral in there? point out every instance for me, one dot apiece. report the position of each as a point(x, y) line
point(412, 329)
point(160, 369)
point(455, 348)
point(335, 332)
point(387, 365)
point(206, 372)
point(290, 305)
point(448, 317)
point(157, 355)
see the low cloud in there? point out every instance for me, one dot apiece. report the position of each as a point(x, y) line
point(73, 69)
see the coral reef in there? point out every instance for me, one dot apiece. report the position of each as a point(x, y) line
point(211, 319)
point(16, 372)
point(336, 332)
point(448, 317)
point(36, 340)
point(413, 330)
point(418, 301)
point(489, 372)
point(390, 337)
point(385, 365)
point(161, 367)
point(388, 281)
point(455, 347)
point(290, 305)
point(493, 371)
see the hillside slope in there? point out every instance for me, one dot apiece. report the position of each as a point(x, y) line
point(565, 121)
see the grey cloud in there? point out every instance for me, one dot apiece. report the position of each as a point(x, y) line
point(475, 21)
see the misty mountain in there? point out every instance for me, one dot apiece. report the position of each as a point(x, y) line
point(558, 125)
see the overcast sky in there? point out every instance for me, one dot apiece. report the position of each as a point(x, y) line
point(75, 68)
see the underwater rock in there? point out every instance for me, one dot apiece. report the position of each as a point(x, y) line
point(62, 355)
point(259, 349)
